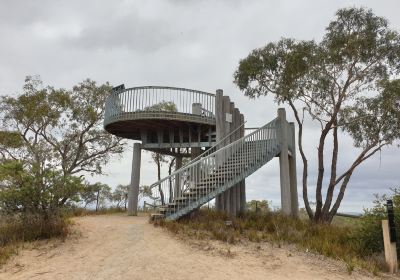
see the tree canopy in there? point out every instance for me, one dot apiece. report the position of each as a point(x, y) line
point(349, 81)
point(50, 138)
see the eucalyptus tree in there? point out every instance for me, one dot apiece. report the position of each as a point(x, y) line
point(60, 130)
point(348, 81)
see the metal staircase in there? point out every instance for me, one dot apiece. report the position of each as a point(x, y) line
point(215, 171)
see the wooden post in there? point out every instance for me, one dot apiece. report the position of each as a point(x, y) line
point(284, 164)
point(243, 182)
point(390, 248)
point(232, 190)
point(236, 116)
point(227, 124)
point(220, 132)
point(293, 174)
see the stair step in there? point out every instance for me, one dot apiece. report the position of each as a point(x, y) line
point(157, 216)
point(181, 198)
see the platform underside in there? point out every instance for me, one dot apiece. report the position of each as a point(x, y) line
point(164, 130)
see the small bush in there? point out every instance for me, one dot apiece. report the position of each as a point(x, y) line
point(369, 231)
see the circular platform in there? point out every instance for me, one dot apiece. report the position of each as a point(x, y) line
point(164, 114)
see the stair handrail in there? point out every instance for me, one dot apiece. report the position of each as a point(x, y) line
point(213, 147)
point(192, 163)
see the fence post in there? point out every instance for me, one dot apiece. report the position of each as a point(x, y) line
point(390, 238)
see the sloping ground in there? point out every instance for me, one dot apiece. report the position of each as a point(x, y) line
point(121, 247)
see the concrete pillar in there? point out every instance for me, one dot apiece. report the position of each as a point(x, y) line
point(133, 192)
point(284, 164)
point(293, 174)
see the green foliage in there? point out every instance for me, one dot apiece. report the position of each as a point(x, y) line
point(369, 233)
point(120, 195)
point(22, 191)
point(10, 139)
point(257, 206)
point(349, 80)
point(59, 129)
point(166, 106)
point(97, 193)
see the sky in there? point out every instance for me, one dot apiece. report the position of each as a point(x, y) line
point(191, 44)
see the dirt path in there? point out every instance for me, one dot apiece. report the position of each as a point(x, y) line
point(121, 247)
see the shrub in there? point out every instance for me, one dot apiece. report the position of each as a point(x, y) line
point(369, 232)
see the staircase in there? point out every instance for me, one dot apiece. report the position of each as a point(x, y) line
point(215, 171)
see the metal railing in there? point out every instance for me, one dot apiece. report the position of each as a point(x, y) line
point(139, 103)
point(197, 183)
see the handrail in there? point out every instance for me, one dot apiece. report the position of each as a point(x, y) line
point(135, 102)
point(187, 166)
point(172, 88)
point(213, 147)
point(194, 184)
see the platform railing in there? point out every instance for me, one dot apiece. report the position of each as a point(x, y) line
point(140, 102)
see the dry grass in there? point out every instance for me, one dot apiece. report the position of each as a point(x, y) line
point(19, 228)
point(338, 242)
point(78, 212)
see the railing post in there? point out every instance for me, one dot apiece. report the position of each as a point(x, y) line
point(284, 163)
point(133, 191)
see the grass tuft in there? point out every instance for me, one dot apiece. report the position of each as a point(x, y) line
point(18, 228)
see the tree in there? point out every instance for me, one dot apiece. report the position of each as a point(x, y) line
point(348, 81)
point(58, 130)
point(22, 191)
point(257, 205)
point(120, 195)
point(96, 193)
point(159, 158)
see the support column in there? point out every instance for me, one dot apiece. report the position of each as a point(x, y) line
point(284, 164)
point(232, 190)
point(227, 111)
point(220, 132)
point(178, 165)
point(293, 174)
point(133, 192)
point(236, 118)
point(243, 182)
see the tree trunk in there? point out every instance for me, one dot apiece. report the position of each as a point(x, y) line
point(97, 200)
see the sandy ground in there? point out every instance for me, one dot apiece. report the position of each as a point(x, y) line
point(121, 247)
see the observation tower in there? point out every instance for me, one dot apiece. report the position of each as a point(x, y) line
point(208, 129)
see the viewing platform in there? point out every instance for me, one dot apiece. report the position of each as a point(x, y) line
point(162, 117)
